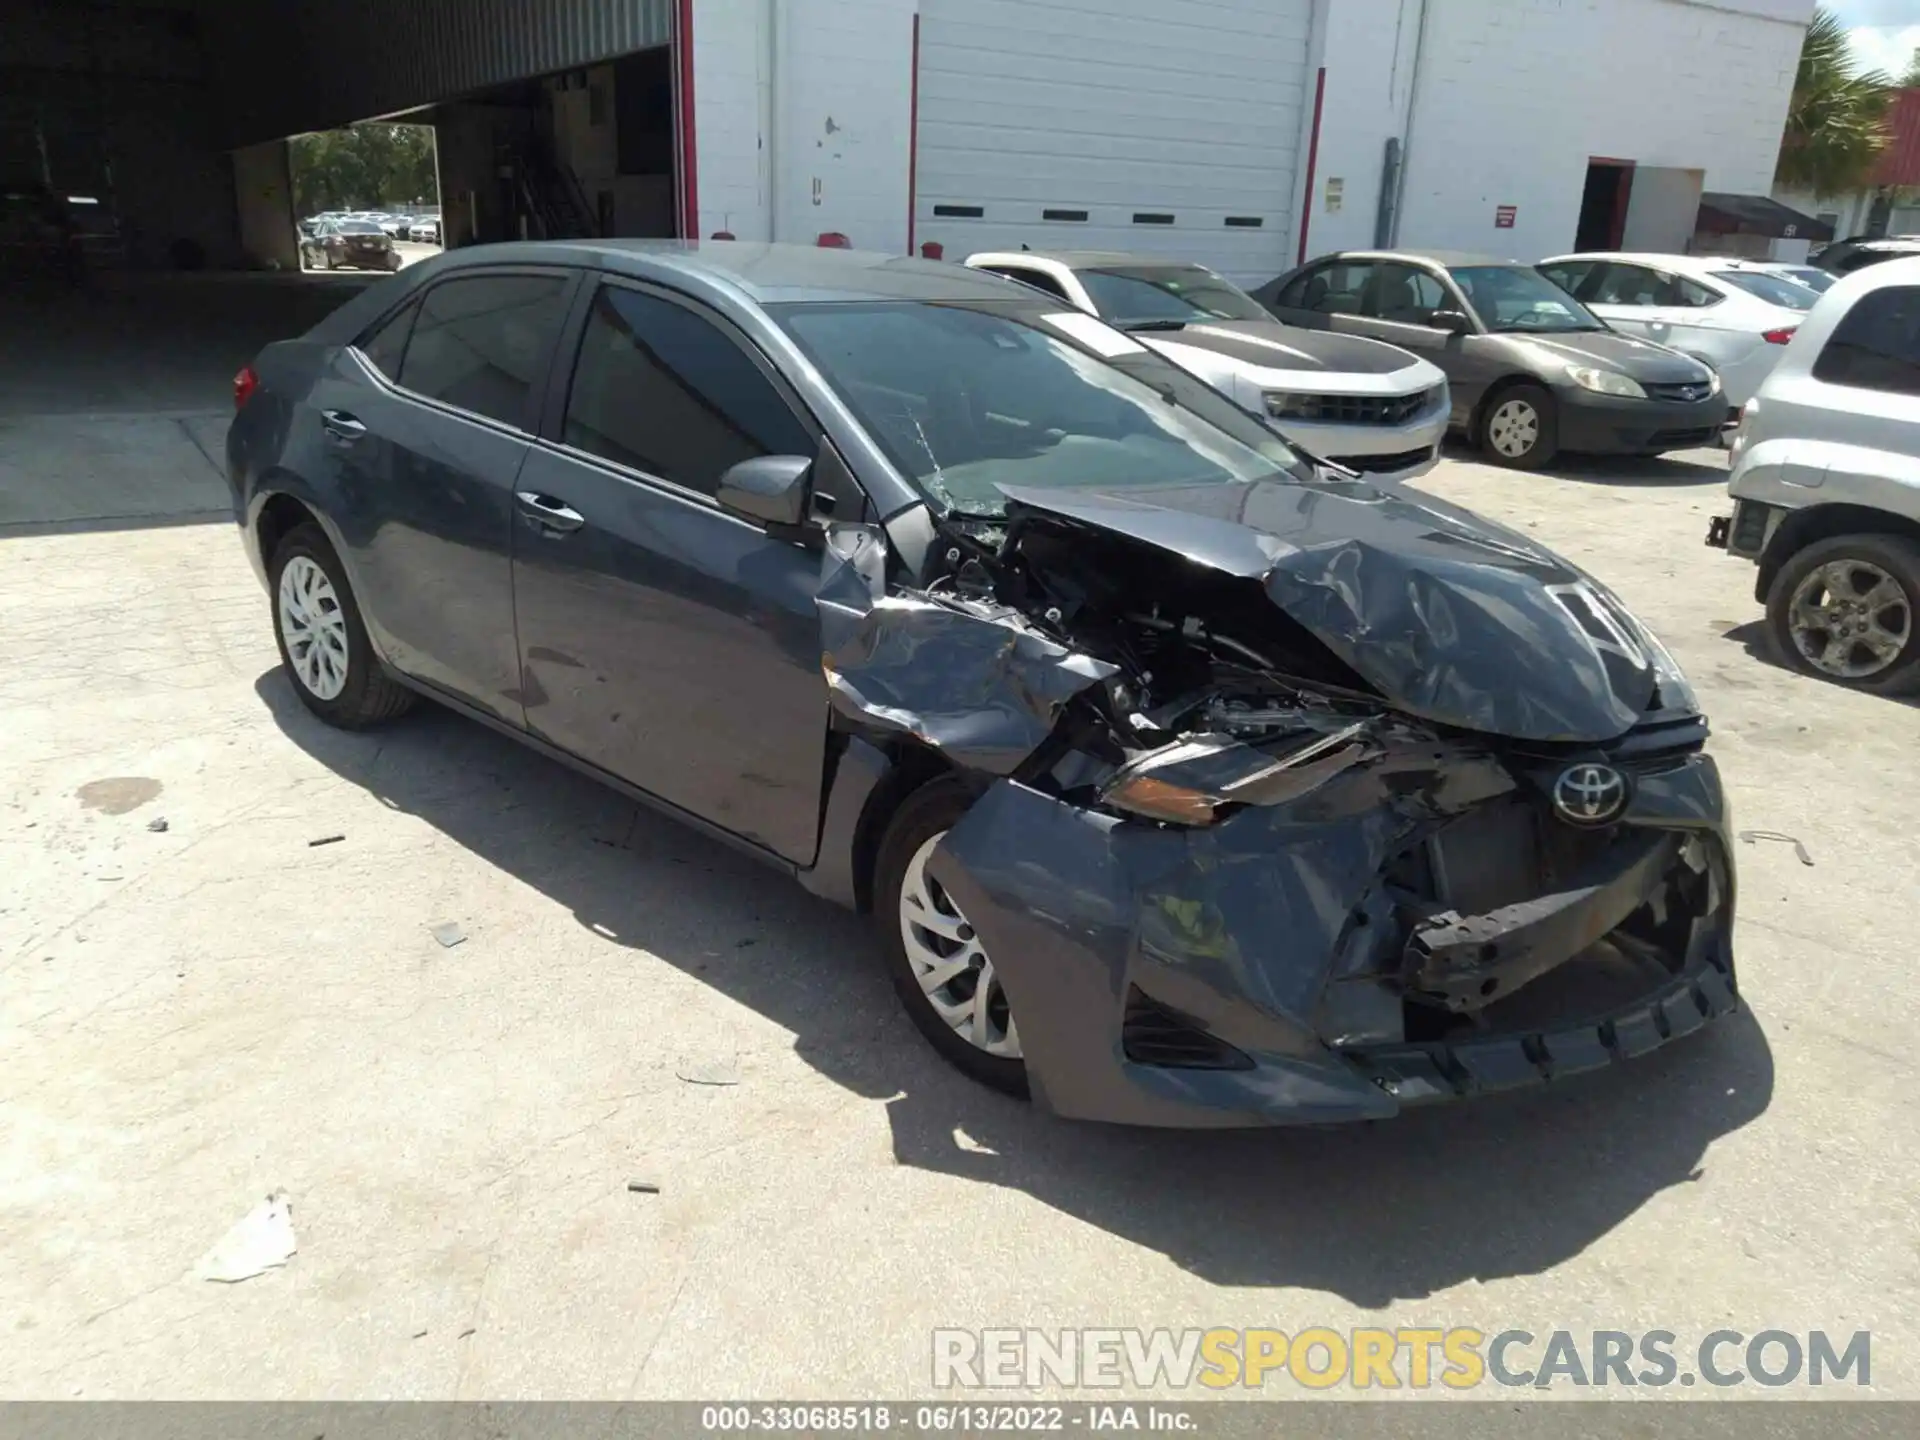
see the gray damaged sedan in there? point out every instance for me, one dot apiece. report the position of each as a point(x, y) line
point(1187, 783)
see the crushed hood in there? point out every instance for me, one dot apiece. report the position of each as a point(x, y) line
point(1450, 617)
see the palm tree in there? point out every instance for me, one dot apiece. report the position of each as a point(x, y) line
point(1836, 122)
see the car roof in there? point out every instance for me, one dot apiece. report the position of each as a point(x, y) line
point(763, 273)
point(1429, 257)
point(1087, 259)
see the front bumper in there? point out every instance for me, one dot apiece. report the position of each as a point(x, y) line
point(1386, 452)
point(1614, 425)
point(1261, 971)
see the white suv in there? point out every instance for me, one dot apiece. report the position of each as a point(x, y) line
point(1826, 485)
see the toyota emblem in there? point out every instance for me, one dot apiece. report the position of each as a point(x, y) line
point(1590, 794)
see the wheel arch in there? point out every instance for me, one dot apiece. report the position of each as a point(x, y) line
point(1491, 395)
point(1802, 528)
point(911, 768)
point(277, 514)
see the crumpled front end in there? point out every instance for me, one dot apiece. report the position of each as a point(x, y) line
point(1226, 878)
point(1384, 940)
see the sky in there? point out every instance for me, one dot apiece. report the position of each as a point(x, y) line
point(1885, 33)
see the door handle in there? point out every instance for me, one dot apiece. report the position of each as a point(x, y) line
point(544, 512)
point(341, 426)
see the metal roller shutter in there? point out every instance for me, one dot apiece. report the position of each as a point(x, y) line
point(1167, 126)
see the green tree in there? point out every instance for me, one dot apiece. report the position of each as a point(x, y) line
point(363, 167)
point(1911, 78)
point(1836, 121)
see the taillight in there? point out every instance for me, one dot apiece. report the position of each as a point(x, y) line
point(1780, 336)
point(244, 384)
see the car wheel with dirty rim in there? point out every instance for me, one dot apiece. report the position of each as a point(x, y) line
point(323, 641)
point(1521, 428)
point(938, 964)
point(1843, 607)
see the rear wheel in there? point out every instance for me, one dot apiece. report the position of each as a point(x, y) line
point(323, 641)
point(1843, 609)
point(1521, 428)
point(942, 972)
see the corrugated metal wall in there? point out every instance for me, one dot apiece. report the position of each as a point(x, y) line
point(287, 68)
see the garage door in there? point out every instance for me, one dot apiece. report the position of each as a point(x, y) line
point(1169, 126)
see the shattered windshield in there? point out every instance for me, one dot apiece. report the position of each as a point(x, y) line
point(967, 398)
point(1146, 294)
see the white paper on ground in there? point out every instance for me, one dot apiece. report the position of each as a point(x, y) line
point(262, 1240)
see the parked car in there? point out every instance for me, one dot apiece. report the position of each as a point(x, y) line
point(395, 227)
point(1856, 252)
point(425, 229)
point(1532, 372)
point(353, 244)
point(1826, 486)
point(1364, 405)
point(1187, 783)
point(1736, 316)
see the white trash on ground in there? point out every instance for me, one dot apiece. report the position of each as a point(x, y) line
point(262, 1240)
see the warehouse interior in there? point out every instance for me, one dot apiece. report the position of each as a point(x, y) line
point(153, 132)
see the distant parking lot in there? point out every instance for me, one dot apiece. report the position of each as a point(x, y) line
point(251, 997)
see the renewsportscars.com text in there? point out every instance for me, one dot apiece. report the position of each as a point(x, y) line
point(1460, 1358)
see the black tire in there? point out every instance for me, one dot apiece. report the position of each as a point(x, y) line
point(927, 812)
point(370, 696)
point(1546, 410)
point(1895, 555)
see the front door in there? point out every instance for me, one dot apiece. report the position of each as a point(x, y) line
point(661, 639)
point(426, 423)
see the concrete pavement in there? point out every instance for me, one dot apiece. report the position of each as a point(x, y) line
point(192, 1018)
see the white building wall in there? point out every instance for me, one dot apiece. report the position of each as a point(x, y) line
point(1515, 96)
point(730, 93)
point(802, 112)
point(1366, 48)
point(803, 115)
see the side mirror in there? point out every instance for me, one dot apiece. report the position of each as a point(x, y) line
point(771, 489)
point(1454, 322)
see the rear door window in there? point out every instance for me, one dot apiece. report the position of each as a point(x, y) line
point(661, 388)
point(386, 343)
point(1618, 284)
point(1332, 289)
point(481, 342)
point(1877, 345)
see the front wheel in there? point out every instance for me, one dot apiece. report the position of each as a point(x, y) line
point(323, 641)
point(1521, 428)
point(1843, 609)
point(938, 965)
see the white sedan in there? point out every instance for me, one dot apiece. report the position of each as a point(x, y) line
point(1735, 315)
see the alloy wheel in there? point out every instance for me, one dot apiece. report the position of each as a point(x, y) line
point(1850, 619)
point(314, 628)
point(1514, 429)
point(947, 959)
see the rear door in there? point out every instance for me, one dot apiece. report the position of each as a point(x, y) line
point(427, 422)
point(661, 639)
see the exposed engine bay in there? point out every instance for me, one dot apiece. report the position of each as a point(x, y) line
point(1253, 856)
